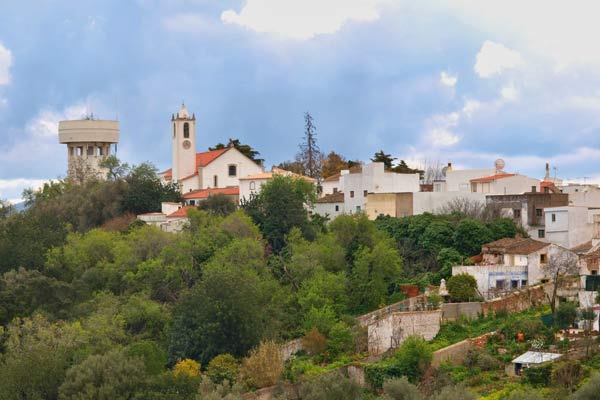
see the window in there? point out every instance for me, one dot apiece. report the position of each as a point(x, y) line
point(533, 189)
point(594, 272)
point(500, 284)
point(514, 284)
point(517, 213)
point(357, 209)
point(337, 208)
point(252, 185)
point(186, 130)
point(500, 258)
point(90, 150)
point(541, 233)
point(352, 193)
point(365, 193)
point(99, 151)
point(553, 217)
point(524, 282)
point(543, 259)
point(474, 187)
point(215, 181)
point(232, 170)
point(192, 202)
point(80, 151)
point(538, 212)
point(335, 190)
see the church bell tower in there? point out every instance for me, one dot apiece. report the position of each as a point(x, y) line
point(183, 144)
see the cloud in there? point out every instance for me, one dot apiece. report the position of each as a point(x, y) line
point(5, 63)
point(12, 188)
point(45, 123)
point(190, 23)
point(447, 79)
point(509, 93)
point(493, 58)
point(439, 132)
point(301, 19)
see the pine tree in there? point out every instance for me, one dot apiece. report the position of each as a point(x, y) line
point(310, 156)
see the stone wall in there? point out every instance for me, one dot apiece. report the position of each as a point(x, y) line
point(390, 331)
point(457, 352)
point(518, 301)
point(412, 304)
point(290, 348)
point(452, 311)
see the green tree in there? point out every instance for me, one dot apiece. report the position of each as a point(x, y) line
point(470, 235)
point(448, 258)
point(154, 358)
point(245, 149)
point(437, 235)
point(590, 390)
point(109, 376)
point(462, 288)
point(400, 389)
point(218, 204)
point(384, 158)
point(413, 358)
point(145, 191)
point(6, 209)
point(115, 169)
point(331, 386)
point(566, 315)
point(223, 367)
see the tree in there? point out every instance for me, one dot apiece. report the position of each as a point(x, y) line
point(331, 386)
point(245, 149)
point(263, 366)
point(448, 258)
point(561, 265)
point(115, 169)
point(145, 191)
point(223, 367)
point(310, 155)
point(384, 158)
point(470, 235)
point(590, 390)
point(400, 389)
point(403, 168)
point(6, 209)
point(218, 204)
point(209, 390)
point(109, 376)
point(292, 166)
point(332, 164)
point(187, 367)
point(566, 315)
point(462, 288)
point(412, 358)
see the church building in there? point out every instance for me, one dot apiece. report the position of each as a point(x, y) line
point(206, 173)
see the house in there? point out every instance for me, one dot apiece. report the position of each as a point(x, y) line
point(330, 205)
point(582, 195)
point(503, 183)
point(531, 359)
point(213, 169)
point(589, 266)
point(527, 209)
point(571, 226)
point(195, 197)
point(172, 218)
point(511, 263)
point(250, 185)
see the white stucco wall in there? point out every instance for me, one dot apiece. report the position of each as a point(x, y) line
point(329, 186)
point(582, 195)
point(488, 275)
point(517, 184)
point(432, 202)
point(460, 180)
point(220, 167)
point(250, 186)
point(329, 209)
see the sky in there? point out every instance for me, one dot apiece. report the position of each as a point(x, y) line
point(466, 81)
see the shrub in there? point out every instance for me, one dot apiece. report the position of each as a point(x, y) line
point(264, 366)
point(457, 392)
point(462, 287)
point(590, 390)
point(223, 367)
point(525, 394)
point(566, 314)
point(400, 389)
point(567, 374)
point(340, 339)
point(314, 342)
point(208, 390)
point(153, 356)
point(331, 386)
point(539, 376)
point(321, 318)
point(187, 367)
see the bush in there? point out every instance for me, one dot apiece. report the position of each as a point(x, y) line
point(153, 356)
point(400, 389)
point(331, 386)
point(321, 318)
point(223, 367)
point(314, 342)
point(567, 374)
point(539, 376)
point(525, 394)
point(566, 314)
point(209, 390)
point(590, 390)
point(457, 392)
point(263, 367)
point(462, 288)
point(187, 367)
point(340, 339)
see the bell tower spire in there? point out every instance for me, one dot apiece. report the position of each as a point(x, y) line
point(183, 144)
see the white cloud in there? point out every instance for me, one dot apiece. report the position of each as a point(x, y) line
point(5, 63)
point(45, 123)
point(471, 107)
point(12, 188)
point(301, 19)
point(447, 79)
point(192, 23)
point(493, 58)
point(439, 132)
point(509, 93)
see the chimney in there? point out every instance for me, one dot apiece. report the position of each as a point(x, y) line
point(547, 177)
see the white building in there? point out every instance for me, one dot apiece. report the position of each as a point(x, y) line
point(502, 183)
point(582, 195)
point(251, 184)
point(571, 226)
point(330, 205)
point(212, 169)
point(172, 218)
point(511, 263)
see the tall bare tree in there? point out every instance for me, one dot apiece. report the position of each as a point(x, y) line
point(561, 266)
point(310, 156)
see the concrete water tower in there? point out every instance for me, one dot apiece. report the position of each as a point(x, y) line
point(88, 143)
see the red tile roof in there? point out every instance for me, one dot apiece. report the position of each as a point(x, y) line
point(204, 193)
point(492, 178)
point(181, 213)
point(202, 160)
point(337, 197)
point(515, 246)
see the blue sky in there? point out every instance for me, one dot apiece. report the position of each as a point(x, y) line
point(460, 80)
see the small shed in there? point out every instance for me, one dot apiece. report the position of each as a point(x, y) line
point(532, 359)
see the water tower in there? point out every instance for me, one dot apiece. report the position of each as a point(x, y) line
point(88, 143)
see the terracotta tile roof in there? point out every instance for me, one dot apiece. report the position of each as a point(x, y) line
point(263, 175)
point(582, 248)
point(337, 197)
point(333, 178)
point(515, 246)
point(202, 160)
point(181, 213)
point(492, 178)
point(204, 193)
point(277, 171)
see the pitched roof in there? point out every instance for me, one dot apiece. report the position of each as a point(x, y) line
point(277, 171)
point(582, 248)
point(515, 246)
point(535, 357)
point(492, 178)
point(333, 178)
point(202, 160)
point(180, 213)
point(337, 197)
point(204, 193)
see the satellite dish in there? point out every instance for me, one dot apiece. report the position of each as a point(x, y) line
point(500, 164)
point(444, 170)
